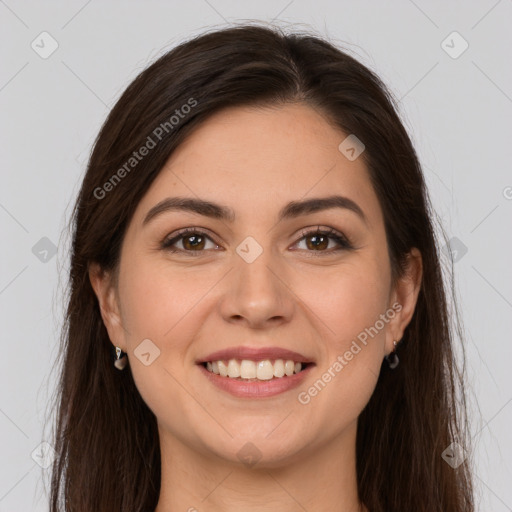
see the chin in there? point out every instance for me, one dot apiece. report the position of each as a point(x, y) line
point(256, 451)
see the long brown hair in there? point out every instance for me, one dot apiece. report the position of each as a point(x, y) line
point(105, 437)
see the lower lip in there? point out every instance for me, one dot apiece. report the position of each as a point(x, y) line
point(256, 389)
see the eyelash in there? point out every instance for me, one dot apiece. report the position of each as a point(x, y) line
point(342, 240)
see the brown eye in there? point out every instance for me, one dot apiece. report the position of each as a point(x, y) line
point(191, 240)
point(318, 241)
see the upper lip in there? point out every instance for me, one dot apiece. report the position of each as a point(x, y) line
point(254, 354)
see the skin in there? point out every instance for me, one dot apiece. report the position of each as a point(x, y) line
point(255, 161)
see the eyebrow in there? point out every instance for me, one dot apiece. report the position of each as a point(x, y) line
point(216, 211)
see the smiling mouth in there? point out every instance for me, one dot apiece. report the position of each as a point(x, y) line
point(247, 370)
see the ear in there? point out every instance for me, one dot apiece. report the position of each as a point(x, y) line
point(104, 288)
point(405, 294)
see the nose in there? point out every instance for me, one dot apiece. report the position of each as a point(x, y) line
point(256, 294)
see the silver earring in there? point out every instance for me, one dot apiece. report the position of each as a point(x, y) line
point(120, 362)
point(392, 358)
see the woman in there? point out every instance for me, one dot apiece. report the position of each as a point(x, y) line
point(257, 318)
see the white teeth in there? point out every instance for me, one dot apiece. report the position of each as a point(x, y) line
point(279, 368)
point(233, 369)
point(223, 369)
point(247, 369)
point(264, 370)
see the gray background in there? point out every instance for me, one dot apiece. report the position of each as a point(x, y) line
point(457, 111)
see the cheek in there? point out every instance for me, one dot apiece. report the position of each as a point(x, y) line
point(160, 307)
point(351, 303)
point(157, 302)
point(353, 333)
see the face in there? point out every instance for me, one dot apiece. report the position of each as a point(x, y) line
point(270, 274)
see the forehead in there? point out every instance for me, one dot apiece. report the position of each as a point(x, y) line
point(257, 159)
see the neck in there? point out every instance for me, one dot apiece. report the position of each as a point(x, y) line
point(319, 478)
